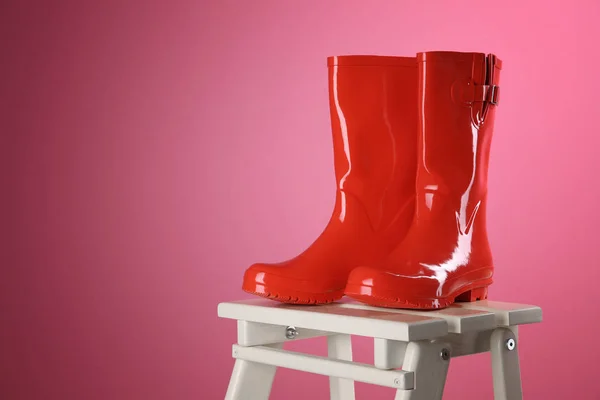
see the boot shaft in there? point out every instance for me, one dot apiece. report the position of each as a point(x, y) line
point(374, 123)
point(457, 98)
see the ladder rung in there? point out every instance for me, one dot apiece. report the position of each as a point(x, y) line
point(359, 372)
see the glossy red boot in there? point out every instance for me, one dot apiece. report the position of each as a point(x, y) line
point(445, 256)
point(374, 124)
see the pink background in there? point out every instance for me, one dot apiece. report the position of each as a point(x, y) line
point(155, 150)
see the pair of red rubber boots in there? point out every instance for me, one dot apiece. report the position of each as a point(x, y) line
point(411, 141)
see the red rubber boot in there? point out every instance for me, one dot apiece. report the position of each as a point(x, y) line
point(374, 124)
point(446, 256)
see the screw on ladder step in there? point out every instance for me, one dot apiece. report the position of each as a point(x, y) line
point(511, 344)
point(291, 332)
point(445, 354)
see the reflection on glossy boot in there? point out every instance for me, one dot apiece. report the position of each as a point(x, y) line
point(374, 125)
point(445, 256)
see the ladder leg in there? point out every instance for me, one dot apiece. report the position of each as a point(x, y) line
point(250, 380)
point(340, 347)
point(429, 361)
point(505, 365)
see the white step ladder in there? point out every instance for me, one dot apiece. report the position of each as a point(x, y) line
point(413, 349)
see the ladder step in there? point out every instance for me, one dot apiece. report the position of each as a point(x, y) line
point(372, 322)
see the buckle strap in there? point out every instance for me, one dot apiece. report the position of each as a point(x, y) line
point(486, 93)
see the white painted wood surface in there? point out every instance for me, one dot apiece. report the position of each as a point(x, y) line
point(424, 359)
point(251, 380)
point(505, 366)
point(408, 345)
point(371, 322)
point(507, 314)
point(325, 366)
point(339, 347)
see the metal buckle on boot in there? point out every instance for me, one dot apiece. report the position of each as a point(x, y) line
point(494, 94)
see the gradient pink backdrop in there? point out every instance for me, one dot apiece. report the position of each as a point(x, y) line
point(155, 149)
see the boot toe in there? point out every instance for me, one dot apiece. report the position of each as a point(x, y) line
point(388, 289)
point(285, 284)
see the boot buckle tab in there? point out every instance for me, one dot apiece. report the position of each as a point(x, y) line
point(494, 94)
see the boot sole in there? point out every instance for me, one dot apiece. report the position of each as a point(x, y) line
point(473, 292)
point(294, 297)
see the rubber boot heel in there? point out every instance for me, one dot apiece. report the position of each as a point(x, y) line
point(473, 295)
